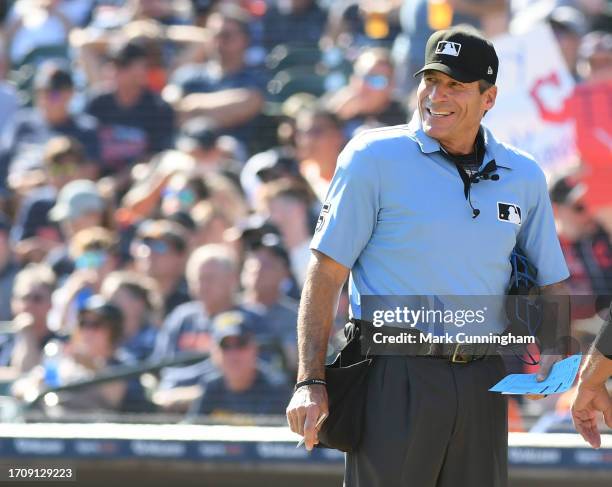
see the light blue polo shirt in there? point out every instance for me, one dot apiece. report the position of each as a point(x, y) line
point(396, 215)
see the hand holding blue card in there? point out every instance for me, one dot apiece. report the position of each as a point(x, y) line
point(559, 380)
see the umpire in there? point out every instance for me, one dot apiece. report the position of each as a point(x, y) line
point(403, 217)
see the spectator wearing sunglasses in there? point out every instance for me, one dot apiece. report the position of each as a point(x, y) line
point(182, 193)
point(90, 351)
point(30, 304)
point(242, 385)
point(213, 278)
point(79, 206)
point(160, 250)
point(137, 297)
point(95, 254)
point(367, 101)
point(64, 161)
point(586, 246)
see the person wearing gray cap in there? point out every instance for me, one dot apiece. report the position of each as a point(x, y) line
point(79, 205)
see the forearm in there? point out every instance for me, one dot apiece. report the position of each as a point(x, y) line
point(228, 108)
point(555, 325)
point(316, 315)
point(596, 369)
point(479, 9)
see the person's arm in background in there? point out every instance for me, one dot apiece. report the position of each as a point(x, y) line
point(493, 14)
point(229, 108)
point(316, 316)
point(592, 397)
point(53, 8)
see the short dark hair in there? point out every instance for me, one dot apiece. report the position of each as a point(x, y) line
point(123, 54)
point(319, 111)
point(484, 85)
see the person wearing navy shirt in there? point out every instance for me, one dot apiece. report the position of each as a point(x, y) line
point(404, 217)
point(223, 89)
point(134, 122)
point(31, 128)
point(240, 385)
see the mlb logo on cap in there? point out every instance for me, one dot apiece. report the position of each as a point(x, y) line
point(461, 53)
point(450, 48)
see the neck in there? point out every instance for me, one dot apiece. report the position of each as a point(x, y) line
point(167, 284)
point(229, 66)
point(241, 382)
point(56, 118)
point(461, 147)
point(267, 297)
point(128, 95)
point(213, 309)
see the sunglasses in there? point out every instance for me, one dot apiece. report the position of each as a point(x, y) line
point(90, 323)
point(235, 343)
point(156, 246)
point(376, 81)
point(93, 259)
point(62, 169)
point(34, 298)
point(317, 131)
point(185, 196)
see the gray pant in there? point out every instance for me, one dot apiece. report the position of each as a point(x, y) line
point(432, 423)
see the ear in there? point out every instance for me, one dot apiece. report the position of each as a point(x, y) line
point(489, 98)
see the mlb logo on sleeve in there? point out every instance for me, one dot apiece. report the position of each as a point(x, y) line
point(509, 212)
point(447, 47)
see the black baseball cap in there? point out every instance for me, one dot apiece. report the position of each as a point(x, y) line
point(53, 75)
point(125, 53)
point(567, 190)
point(274, 244)
point(461, 53)
point(200, 132)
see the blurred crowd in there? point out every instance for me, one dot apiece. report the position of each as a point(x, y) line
point(163, 164)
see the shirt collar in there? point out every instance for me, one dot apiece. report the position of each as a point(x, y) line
point(426, 143)
point(429, 145)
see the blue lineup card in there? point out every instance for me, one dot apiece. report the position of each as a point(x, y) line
point(559, 380)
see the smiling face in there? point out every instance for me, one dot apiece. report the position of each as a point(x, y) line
point(451, 111)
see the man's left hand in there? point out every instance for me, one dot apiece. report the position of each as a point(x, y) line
point(547, 360)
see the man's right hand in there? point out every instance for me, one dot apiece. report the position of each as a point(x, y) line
point(307, 405)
